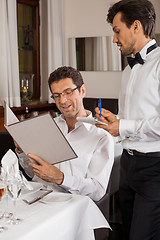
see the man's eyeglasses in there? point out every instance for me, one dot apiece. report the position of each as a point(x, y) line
point(65, 93)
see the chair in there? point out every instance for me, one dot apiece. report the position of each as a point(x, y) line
point(6, 143)
point(105, 202)
point(103, 205)
point(110, 104)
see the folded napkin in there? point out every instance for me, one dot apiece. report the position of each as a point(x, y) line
point(10, 165)
point(36, 196)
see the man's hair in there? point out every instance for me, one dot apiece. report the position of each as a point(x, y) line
point(132, 10)
point(66, 72)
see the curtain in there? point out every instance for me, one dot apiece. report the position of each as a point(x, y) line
point(72, 53)
point(106, 55)
point(51, 40)
point(100, 54)
point(9, 68)
point(114, 56)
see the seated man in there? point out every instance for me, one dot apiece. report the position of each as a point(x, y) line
point(89, 173)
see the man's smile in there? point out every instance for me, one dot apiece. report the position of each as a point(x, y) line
point(65, 107)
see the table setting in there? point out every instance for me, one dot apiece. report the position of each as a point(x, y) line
point(37, 212)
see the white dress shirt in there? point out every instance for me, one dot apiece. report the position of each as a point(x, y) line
point(89, 173)
point(139, 103)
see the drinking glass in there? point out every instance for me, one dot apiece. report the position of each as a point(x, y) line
point(14, 187)
point(2, 192)
point(7, 214)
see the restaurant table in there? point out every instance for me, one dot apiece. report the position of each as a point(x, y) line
point(72, 219)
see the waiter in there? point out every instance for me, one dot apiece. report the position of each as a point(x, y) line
point(138, 123)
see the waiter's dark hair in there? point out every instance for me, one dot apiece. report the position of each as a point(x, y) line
point(132, 10)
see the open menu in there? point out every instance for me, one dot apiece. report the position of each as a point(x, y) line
point(39, 135)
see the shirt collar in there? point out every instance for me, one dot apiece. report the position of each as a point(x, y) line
point(143, 51)
point(87, 125)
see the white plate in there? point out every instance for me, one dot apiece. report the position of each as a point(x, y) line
point(56, 197)
point(36, 187)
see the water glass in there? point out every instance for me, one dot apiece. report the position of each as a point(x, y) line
point(2, 193)
point(14, 188)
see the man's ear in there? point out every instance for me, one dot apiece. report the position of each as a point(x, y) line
point(83, 90)
point(137, 25)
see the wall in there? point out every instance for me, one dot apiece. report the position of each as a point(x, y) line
point(102, 84)
point(87, 18)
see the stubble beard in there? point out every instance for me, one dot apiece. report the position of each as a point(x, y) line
point(129, 50)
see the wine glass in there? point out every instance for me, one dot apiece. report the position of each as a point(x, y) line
point(14, 187)
point(2, 192)
point(7, 214)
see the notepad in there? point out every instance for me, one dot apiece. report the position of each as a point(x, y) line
point(39, 135)
point(90, 120)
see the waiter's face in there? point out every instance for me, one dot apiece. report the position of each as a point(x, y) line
point(124, 37)
point(70, 105)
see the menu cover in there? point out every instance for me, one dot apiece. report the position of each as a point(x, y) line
point(39, 135)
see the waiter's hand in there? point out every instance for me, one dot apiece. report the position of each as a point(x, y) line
point(45, 170)
point(109, 118)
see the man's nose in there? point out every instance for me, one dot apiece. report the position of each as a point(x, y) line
point(115, 39)
point(63, 98)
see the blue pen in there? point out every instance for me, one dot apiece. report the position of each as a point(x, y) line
point(99, 105)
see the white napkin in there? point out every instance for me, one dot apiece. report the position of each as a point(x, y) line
point(10, 165)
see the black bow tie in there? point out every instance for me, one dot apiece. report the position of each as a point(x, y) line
point(138, 58)
point(133, 61)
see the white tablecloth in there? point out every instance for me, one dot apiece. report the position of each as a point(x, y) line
point(73, 219)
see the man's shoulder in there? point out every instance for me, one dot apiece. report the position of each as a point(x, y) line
point(153, 59)
point(154, 54)
point(99, 132)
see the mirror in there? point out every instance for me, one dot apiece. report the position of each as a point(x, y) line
point(158, 38)
point(94, 54)
point(97, 54)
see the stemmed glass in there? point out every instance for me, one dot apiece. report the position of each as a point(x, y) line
point(14, 187)
point(6, 213)
point(2, 192)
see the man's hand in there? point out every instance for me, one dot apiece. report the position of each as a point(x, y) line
point(45, 170)
point(109, 118)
